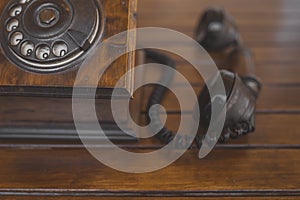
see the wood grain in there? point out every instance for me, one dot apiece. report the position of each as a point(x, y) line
point(25, 109)
point(237, 171)
point(269, 74)
point(279, 99)
point(270, 131)
point(275, 26)
point(262, 165)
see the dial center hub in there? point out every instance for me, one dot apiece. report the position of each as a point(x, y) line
point(48, 16)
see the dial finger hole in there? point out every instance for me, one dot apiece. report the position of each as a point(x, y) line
point(60, 49)
point(13, 24)
point(16, 38)
point(42, 52)
point(24, 1)
point(27, 48)
point(16, 10)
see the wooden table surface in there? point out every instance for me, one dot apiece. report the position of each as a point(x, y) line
point(265, 164)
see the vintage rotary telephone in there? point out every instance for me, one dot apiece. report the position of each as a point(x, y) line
point(217, 33)
point(50, 36)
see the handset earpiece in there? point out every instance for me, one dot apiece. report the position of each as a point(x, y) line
point(240, 106)
point(217, 30)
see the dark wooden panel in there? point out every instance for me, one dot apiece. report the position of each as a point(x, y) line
point(274, 99)
point(272, 131)
point(44, 110)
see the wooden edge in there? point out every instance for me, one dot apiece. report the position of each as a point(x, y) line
point(62, 133)
point(60, 92)
point(106, 193)
point(131, 44)
point(21, 197)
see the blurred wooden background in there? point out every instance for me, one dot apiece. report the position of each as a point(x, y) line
point(265, 164)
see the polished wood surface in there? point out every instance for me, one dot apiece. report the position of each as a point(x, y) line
point(262, 165)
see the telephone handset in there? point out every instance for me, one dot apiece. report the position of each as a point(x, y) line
point(46, 36)
point(217, 32)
